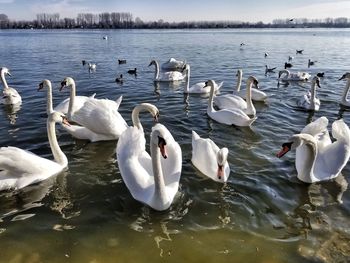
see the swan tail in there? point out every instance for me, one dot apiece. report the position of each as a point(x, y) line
point(341, 131)
point(119, 100)
point(93, 96)
point(195, 135)
point(220, 85)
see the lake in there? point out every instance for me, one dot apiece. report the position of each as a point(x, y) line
point(262, 214)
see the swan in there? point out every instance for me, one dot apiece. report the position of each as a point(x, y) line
point(166, 76)
point(309, 101)
point(9, 95)
point(173, 64)
point(210, 159)
point(19, 168)
point(227, 116)
point(150, 179)
point(316, 160)
point(257, 95)
point(344, 100)
point(230, 101)
point(99, 118)
point(288, 76)
point(200, 87)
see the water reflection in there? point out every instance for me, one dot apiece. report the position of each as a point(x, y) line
point(11, 112)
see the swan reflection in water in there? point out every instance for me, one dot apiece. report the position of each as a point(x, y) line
point(11, 112)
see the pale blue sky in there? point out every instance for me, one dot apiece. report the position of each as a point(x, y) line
point(183, 10)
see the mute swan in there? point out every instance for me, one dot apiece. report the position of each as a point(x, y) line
point(227, 116)
point(310, 101)
point(150, 179)
point(288, 76)
point(99, 117)
point(317, 161)
point(230, 101)
point(257, 95)
point(344, 100)
point(200, 87)
point(210, 159)
point(166, 76)
point(9, 95)
point(173, 64)
point(19, 168)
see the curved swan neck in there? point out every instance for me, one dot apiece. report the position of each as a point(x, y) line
point(156, 73)
point(49, 106)
point(313, 94)
point(211, 96)
point(239, 81)
point(57, 153)
point(346, 91)
point(250, 105)
point(135, 116)
point(71, 100)
point(187, 89)
point(159, 185)
point(3, 80)
point(306, 174)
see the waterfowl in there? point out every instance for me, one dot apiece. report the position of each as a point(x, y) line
point(10, 96)
point(168, 76)
point(344, 100)
point(309, 101)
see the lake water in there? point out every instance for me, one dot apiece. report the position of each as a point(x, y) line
point(262, 214)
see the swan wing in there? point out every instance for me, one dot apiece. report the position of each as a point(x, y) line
point(172, 76)
point(78, 103)
point(229, 101)
point(231, 117)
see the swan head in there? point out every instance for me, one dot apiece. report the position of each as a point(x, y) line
point(294, 142)
point(253, 80)
point(239, 73)
point(5, 71)
point(209, 83)
point(159, 138)
point(67, 82)
point(284, 71)
point(221, 157)
point(45, 83)
point(153, 62)
point(316, 81)
point(58, 117)
point(345, 76)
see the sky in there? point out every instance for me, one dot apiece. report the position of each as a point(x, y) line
point(182, 10)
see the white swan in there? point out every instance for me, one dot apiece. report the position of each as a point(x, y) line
point(344, 100)
point(286, 75)
point(99, 117)
point(9, 95)
point(200, 87)
point(19, 168)
point(318, 159)
point(150, 179)
point(230, 101)
point(227, 116)
point(309, 101)
point(168, 76)
point(173, 64)
point(257, 95)
point(210, 159)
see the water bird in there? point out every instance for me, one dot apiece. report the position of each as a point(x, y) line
point(200, 87)
point(10, 96)
point(242, 44)
point(168, 76)
point(317, 158)
point(19, 168)
point(300, 51)
point(132, 71)
point(121, 61)
point(286, 75)
point(257, 94)
point(269, 70)
point(290, 58)
point(310, 63)
point(83, 62)
point(92, 67)
point(119, 79)
point(173, 64)
point(309, 101)
point(320, 74)
point(152, 179)
point(209, 159)
point(266, 54)
point(344, 100)
point(105, 37)
point(227, 116)
point(287, 65)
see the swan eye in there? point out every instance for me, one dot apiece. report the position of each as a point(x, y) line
point(161, 141)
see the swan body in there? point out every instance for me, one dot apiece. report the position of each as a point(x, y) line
point(99, 117)
point(227, 116)
point(230, 101)
point(168, 76)
point(257, 95)
point(208, 158)
point(151, 179)
point(310, 101)
point(173, 64)
point(19, 168)
point(286, 75)
point(344, 100)
point(200, 87)
point(78, 103)
point(10, 96)
point(317, 158)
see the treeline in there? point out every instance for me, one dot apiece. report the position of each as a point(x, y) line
point(118, 20)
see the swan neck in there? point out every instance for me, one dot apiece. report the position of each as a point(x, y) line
point(211, 96)
point(135, 116)
point(346, 91)
point(187, 89)
point(156, 73)
point(71, 101)
point(306, 174)
point(313, 94)
point(250, 105)
point(239, 82)
point(159, 185)
point(3, 80)
point(49, 106)
point(57, 153)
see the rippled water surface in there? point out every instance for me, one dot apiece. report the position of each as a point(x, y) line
point(262, 214)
